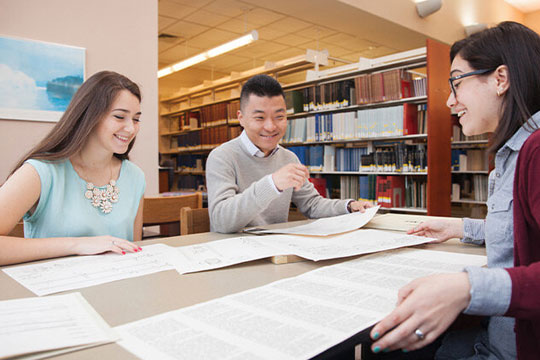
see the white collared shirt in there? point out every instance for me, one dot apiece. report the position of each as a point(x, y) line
point(253, 150)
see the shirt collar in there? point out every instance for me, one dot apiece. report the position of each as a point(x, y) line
point(252, 149)
point(518, 139)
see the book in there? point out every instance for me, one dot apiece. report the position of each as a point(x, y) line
point(320, 185)
point(410, 119)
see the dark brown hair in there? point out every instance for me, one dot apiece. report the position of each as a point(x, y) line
point(517, 47)
point(87, 107)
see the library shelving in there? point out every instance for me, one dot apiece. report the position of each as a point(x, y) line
point(350, 115)
point(470, 171)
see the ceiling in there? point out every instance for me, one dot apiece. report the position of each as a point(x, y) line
point(286, 28)
point(525, 6)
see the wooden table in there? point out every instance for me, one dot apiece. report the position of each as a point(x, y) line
point(124, 301)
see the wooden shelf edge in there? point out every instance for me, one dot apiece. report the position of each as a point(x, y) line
point(368, 139)
point(416, 100)
point(466, 201)
point(384, 173)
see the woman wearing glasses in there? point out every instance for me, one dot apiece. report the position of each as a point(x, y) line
point(495, 87)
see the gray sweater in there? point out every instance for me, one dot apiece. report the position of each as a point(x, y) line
point(239, 195)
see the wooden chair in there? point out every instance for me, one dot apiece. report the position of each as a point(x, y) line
point(194, 221)
point(165, 211)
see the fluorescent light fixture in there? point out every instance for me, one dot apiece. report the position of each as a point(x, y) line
point(427, 7)
point(218, 50)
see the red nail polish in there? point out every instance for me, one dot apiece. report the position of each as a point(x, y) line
point(140, 248)
point(123, 253)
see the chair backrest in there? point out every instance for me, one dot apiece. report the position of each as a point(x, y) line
point(193, 221)
point(166, 209)
point(18, 230)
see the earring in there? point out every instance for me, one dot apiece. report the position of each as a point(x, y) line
point(498, 92)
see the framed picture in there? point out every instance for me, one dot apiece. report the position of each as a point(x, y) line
point(38, 79)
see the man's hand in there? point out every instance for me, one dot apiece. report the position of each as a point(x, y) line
point(291, 175)
point(359, 206)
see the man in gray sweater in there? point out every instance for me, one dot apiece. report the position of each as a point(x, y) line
point(251, 180)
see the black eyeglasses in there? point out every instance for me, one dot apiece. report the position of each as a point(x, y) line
point(461, 76)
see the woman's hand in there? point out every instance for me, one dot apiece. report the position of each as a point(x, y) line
point(101, 244)
point(428, 304)
point(440, 229)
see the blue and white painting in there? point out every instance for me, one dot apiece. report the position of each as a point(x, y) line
point(38, 79)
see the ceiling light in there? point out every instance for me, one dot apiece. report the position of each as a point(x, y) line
point(427, 7)
point(218, 50)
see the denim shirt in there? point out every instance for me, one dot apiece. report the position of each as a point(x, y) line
point(491, 288)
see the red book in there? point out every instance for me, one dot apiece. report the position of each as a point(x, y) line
point(320, 185)
point(396, 188)
point(383, 195)
point(410, 119)
point(405, 89)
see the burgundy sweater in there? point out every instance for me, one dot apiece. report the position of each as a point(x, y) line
point(525, 301)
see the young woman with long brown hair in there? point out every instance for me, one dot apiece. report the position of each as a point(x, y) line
point(76, 190)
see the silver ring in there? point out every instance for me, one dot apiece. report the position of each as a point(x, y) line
point(419, 334)
point(113, 243)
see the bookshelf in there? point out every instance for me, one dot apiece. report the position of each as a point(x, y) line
point(470, 171)
point(345, 97)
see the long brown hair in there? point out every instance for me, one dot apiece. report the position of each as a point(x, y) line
point(517, 47)
point(87, 107)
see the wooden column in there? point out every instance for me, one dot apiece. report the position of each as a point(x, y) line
point(439, 129)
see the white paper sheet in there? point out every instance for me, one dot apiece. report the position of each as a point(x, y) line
point(222, 253)
point(348, 244)
point(295, 318)
point(325, 226)
point(397, 222)
point(83, 271)
point(35, 325)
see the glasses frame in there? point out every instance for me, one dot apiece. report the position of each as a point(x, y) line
point(461, 76)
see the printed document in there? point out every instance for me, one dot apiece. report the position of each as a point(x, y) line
point(226, 252)
point(295, 318)
point(83, 271)
point(35, 327)
point(325, 226)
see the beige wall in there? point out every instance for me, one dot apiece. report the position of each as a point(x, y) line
point(445, 25)
point(532, 20)
point(118, 35)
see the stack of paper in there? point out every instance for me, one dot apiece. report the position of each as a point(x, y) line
point(42, 327)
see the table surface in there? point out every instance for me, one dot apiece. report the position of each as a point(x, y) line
point(128, 300)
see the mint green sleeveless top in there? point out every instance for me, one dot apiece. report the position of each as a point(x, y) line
point(64, 211)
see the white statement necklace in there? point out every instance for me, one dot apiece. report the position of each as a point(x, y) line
point(102, 198)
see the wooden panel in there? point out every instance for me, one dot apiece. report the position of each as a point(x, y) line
point(439, 129)
point(194, 221)
point(165, 211)
point(163, 180)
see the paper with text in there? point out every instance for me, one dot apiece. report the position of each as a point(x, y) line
point(35, 326)
point(222, 253)
point(325, 226)
point(349, 244)
point(83, 271)
point(295, 318)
